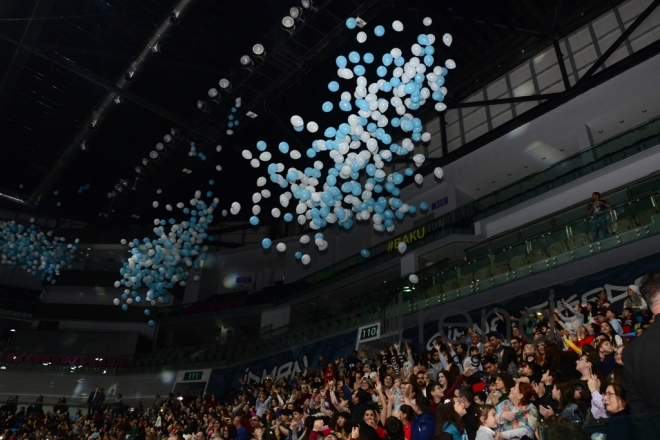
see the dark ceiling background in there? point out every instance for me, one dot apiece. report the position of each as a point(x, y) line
point(60, 58)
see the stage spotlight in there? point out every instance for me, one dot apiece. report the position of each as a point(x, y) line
point(259, 50)
point(288, 24)
point(225, 84)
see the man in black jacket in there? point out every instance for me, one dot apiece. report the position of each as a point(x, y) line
point(471, 417)
point(505, 354)
point(641, 359)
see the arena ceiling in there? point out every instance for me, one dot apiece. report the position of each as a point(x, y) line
point(83, 72)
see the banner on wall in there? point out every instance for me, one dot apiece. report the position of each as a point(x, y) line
point(613, 281)
point(282, 365)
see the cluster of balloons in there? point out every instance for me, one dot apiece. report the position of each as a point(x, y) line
point(82, 188)
point(231, 118)
point(34, 251)
point(158, 264)
point(361, 146)
point(194, 153)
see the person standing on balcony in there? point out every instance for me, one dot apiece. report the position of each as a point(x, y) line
point(599, 220)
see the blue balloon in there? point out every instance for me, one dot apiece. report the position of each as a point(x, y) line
point(147, 312)
point(284, 147)
point(299, 128)
point(266, 243)
point(354, 57)
point(379, 31)
point(341, 61)
point(333, 86)
point(365, 253)
point(124, 307)
point(423, 206)
point(428, 60)
point(351, 23)
point(346, 105)
point(288, 217)
point(386, 87)
point(330, 132)
point(359, 70)
point(423, 39)
point(151, 323)
point(400, 61)
point(368, 58)
point(387, 59)
point(381, 71)
point(429, 50)
point(298, 255)
point(254, 220)
point(327, 106)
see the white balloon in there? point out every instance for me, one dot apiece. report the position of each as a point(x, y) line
point(256, 209)
point(426, 136)
point(361, 37)
point(441, 106)
point(345, 96)
point(247, 155)
point(431, 38)
point(306, 259)
point(265, 193)
point(450, 64)
point(402, 246)
point(438, 173)
point(295, 154)
point(116, 301)
point(312, 127)
point(218, 148)
point(427, 21)
point(319, 242)
point(256, 197)
point(397, 25)
point(275, 212)
point(255, 163)
point(235, 208)
point(281, 247)
point(129, 301)
point(447, 39)
point(419, 159)
point(265, 156)
point(218, 167)
point(419, 179)
point(155, 204)
point(396, 52)
point(261, 181)
point(304, 239)
point(296, 121)
point(413, 278)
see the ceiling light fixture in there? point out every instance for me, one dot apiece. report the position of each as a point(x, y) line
point(174, 18)
point(288, 24)
point(83, 145)
point(246, 62)
point(296, 13)
point(259, 50)
point(155, 50)
point(225, 84)
point(118, 100)
point(308, 4)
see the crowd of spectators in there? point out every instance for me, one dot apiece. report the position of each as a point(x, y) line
point(566, 373)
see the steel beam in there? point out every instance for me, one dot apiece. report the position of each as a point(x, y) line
point(623, 37)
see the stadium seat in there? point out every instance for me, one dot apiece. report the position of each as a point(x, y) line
point(518, 261)
point(645, 217)
point(623, 224)
point(557, 248)
point(537, 255)
point(577, 241)
point(465, 280)
point(483, 274)
point(450, 285)
point(500, 268)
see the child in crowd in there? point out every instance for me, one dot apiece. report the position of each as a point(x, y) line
point(487, 423)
